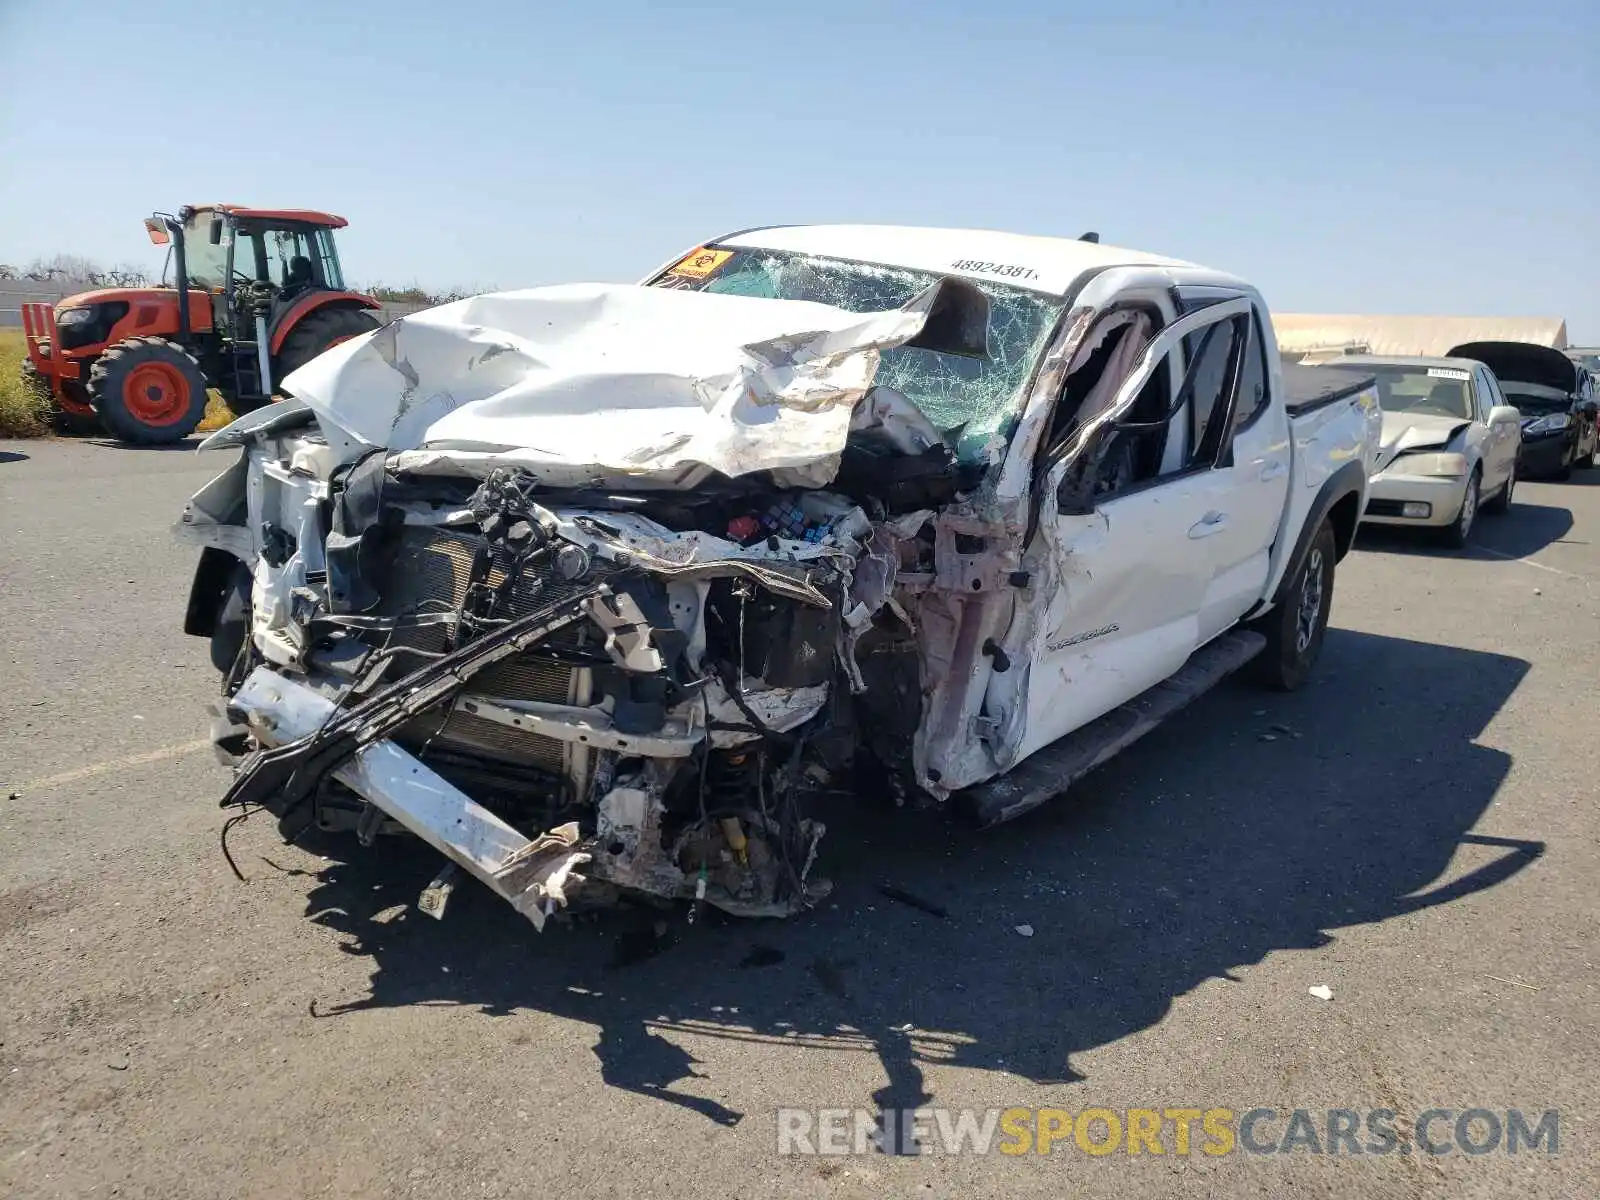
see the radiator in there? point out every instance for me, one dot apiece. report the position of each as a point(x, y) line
point(431, 570)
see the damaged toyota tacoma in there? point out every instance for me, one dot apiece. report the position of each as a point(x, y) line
point(598, 588)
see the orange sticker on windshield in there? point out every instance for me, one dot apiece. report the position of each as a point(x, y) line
point(702, 264)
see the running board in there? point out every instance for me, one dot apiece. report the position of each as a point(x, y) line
point(1047, 773)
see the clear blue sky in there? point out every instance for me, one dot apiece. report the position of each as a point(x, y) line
point(1401, 156)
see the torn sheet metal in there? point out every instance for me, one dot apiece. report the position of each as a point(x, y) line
point(532, 874)
point(609, 384)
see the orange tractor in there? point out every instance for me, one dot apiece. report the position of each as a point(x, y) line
point(256, 293)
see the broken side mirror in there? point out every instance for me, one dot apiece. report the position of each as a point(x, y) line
point(214, 234)
point(156, 228)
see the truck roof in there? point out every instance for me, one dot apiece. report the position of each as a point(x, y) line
point(1040, 264)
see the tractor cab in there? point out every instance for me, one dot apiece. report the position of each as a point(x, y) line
point(239, 254)
point(265, 271)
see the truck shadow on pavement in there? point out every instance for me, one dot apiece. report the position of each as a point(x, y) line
point(1253, 823)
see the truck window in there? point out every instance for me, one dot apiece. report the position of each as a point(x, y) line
point(1253, 396)
point(1104, 361)
point(1210, 391)
point(1199, 434)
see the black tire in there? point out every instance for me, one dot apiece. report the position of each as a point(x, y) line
point(148, 391)
point(1564, 472)
point(317, 331)
point(1502, 498)
point(1459, 532)
point(1293, 645)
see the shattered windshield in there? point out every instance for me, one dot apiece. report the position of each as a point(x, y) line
point(969, 400)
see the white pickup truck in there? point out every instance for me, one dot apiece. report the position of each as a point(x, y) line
point(593, 587)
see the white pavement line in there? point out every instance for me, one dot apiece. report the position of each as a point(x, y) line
point(1529, 562)
point(93, 769)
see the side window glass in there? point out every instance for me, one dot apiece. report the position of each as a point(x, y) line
point(1133, 456)
point(1210, 391)
point(1204, 422)
point(1109, 355)
point(1252, 378)
point(1487, 398)
point(246, 265)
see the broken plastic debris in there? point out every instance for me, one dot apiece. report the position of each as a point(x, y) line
point(1321, 991)
point(1025, 930)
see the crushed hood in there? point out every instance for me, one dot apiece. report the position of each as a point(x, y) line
point(601, 384)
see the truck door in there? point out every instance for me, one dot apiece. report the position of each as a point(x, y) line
point(1238, 440)
point(1131, 578)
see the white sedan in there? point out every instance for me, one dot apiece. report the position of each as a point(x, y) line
point(1449, 444)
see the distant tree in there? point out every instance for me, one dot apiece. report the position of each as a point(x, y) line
point(414, 294)
point(127, 275)
point(74, 268)
point(63, 266)
point(7, 271)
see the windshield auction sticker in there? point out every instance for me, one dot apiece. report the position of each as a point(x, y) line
point(1447, 373)
point(702, 264)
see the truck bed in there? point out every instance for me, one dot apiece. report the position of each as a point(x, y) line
point(1306, 389)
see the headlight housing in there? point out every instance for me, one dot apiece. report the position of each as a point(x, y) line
point(1554, 423)
point(1441, 463)
point(90, 325)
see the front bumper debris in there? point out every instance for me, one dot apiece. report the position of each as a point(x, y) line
point(531, 873)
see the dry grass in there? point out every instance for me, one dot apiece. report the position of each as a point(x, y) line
point(23, 414)
point(26, 415)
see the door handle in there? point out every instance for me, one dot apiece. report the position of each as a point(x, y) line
point(1273, 470)
point(1212, 522)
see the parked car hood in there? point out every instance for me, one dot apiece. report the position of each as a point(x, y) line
point(1523, 362)
point(602, 384)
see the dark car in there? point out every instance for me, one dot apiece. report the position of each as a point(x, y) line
point(1556, 397)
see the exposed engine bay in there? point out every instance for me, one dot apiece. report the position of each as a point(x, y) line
point(576, 689)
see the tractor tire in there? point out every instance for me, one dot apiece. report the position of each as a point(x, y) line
point(148, 391)
point(319, 330)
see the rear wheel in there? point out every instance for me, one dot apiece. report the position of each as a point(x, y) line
point(320, 330)
point(148, 391)
point(1295, 629)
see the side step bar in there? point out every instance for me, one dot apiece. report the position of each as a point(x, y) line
point(1047, 773)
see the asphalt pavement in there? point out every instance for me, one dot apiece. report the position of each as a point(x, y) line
point(1414, 834)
